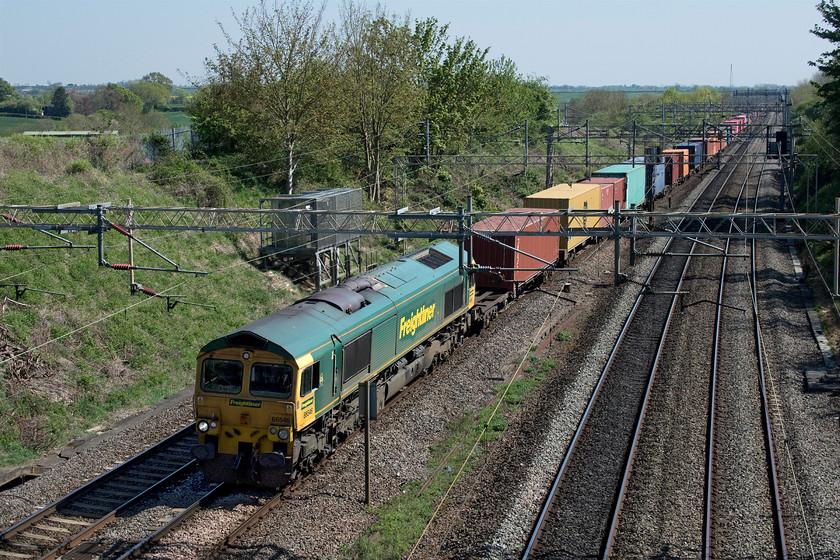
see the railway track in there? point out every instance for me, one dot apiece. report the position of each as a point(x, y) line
point(677, 504)
point(581, 512)
point(738, 406)
point(70, 521)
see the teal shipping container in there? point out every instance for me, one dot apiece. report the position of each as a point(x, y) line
point(635, 176)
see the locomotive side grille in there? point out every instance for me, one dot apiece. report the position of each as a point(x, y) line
point(453, 301)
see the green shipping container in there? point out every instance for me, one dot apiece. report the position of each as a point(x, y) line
point(635, 176)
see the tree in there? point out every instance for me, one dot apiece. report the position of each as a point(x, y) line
point(7, 91)
point(61, 105)
point(380, 70)
point(112, 96)
point(279, 79)
point(152, 94)
point(829, 62)
point(456, 80)
point(180, 95)
point(158, 78)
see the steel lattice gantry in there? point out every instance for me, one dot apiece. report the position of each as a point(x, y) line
point(633, 224)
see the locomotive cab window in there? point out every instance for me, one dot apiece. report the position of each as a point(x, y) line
point(310, 378)
point(221, 376)
point(271, 380)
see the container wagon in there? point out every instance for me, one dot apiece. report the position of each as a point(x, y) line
point(565, 196)
point(498, 251)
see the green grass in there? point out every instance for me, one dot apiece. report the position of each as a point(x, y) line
point(563, 335)
point(177, 118)
point(112, 354)
point(16, 125)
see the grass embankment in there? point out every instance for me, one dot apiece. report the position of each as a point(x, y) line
point(74, 360)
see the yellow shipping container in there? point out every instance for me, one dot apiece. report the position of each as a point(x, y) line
point(577, 196)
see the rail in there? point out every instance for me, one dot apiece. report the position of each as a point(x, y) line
point(70, 520)
point(604, 545)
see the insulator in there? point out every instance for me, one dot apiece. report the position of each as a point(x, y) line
point(13, 248)
point(149, 291)
point(121, 229)
point(12, 218)
point(119, 266)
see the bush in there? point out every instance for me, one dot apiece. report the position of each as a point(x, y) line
point(158, 144)
point(79, 166)
point(191, 183)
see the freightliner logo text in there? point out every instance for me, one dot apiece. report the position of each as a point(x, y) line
point(409, 325)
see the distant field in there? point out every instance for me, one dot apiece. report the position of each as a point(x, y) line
point(16, 125)
point(177, 118)
point(569, 96)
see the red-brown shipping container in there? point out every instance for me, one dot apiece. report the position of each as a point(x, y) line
point(612, 189)
point(504, 229)
point(714, 137)
point(679, 157)
point(734, 125)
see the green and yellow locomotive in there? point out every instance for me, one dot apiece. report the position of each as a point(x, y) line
point(273, 397)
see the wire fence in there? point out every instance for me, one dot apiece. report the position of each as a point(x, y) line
point(181, 139)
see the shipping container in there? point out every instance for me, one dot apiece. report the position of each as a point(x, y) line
point(635, 176)
point(727, 133)
point(672, 168)
point(568, 196)
point(612, 189)
point(678, 156)
point(714, 142)
point(607, 199)
point(654, 173)
point(500, 253)
point(734, 126)
point(695, 152)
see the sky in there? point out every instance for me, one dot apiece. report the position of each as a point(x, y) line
point(574, 42)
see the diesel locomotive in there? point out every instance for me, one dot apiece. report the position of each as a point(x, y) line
point(276, 395)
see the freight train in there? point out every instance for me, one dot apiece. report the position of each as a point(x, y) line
point(275, 396)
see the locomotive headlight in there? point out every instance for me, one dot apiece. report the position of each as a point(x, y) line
point(276, 433)
point(203, 426)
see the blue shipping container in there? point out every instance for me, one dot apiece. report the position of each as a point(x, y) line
point(656, 171)
point(635, 176)
point(695, 153)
